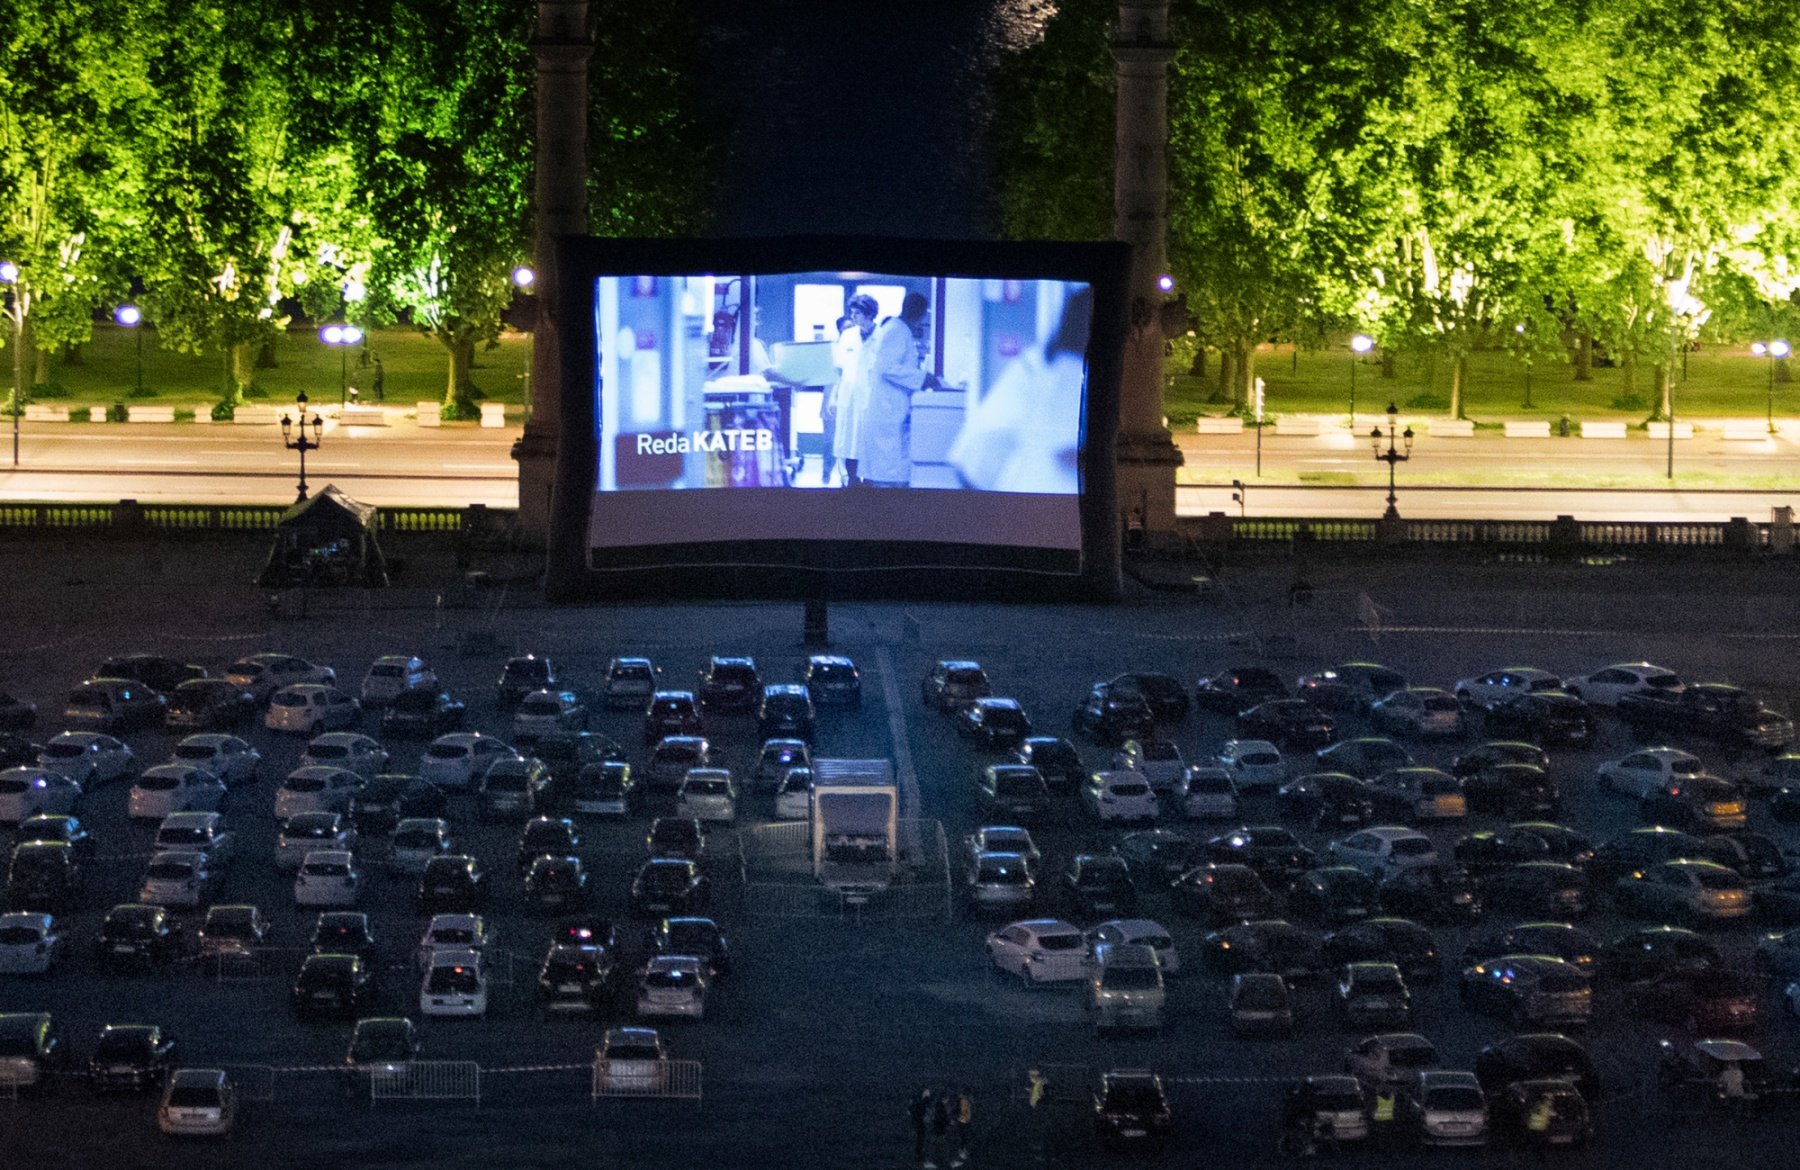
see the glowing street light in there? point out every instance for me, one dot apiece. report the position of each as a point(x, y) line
point(342, 336)
point(1391, 456)
point(1360, 344)
point(130, 316)
point(302, 444)
point(524, 276)
point(1773, 350)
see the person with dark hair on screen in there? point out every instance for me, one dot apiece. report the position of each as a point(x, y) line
point(891, 375)
point(1023, 435)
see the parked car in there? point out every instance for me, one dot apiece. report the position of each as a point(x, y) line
point(546, 712)
point(574, 978)
point(1349, 686)
point(235, 931)
point(415, 841)
point(1272, 851)
point(1401, 941)
point(178, 879)
point(1606, 686)
point(521, 675)
point(606, 790)
point(457, 760)
point(1131, 1109)
point(1372, 994)
point(200, 832)
point(1055, 759)
point(678, 837)
point(1532, 1056)
point(632, 1060)
point(1334, 895)
point(452, 881)
point(1384, 850)
point(1223, 893)
point(1238, 689)
point(1512, 789)
point(29, 791)
point(697, 936)
point(1448, 1109)
point(452, 932)
point(1499, 751)
point(1488, 690)
point(672, 757)
point(337, 985)
point(455, 985)
point(707, 795)
point(729, 684)
point(343, 932)
point(90, 758)
point(672, 985)
point(547, 837)
point(1097, 885)
point(1158, 761)
point(1112, 716)
point(1420, 711)
point(513, 786)
point(669, 885)
point(1706, 803)
point(379, 1044)
point(1701, 1003)
point(349, 750)
point(392, 797)
point(1364, 757)
point(1530, 990)
point(30, 943)
point(1142, 932)
point(1543, 717)
point(114, 705)
point(1432, 893)
point(1039, 950)
point(327, 877)
point(264, 674)
point(1157, 857)
point(302, 834)
point(169, 788)
point(136, 936)
point(422, 713)
point(44, 876)
point(786, 709)
point(1686, 890)
point(774, 760)
point(226, 756)
point(1206, 793)
point(1014, 791)
point(131, 1058)
point(1654, 951)
point(1288, 723)
point(317, 788)
point(793, 795)
point(1552, 888)
point(1329, 1106)
point(1649, 769)
point(1253, 764)
point(1565, 1117)
point(951, 682)
point(392, 675)
point(1124, 987)
point(1391, 1058)
point(833, 680)
point(309, 708)
point(1327, 800)
point(992, 721)
point(210, 704)
point(1275, 945)
point(197, 1102)
point(1119, 796)
point(1420, 794)
point(1261, 1004)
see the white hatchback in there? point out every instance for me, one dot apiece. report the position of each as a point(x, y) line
point(90, 758)
point(328, 877)
point(1496, 686)
point(172, 788)
point(1384, 849)
point(225, 756)
point(1142, 932)
point(707, 795)
point(178, 879)
point(1120, 796)
point(1649, 770)
point(26, 792)
point(454, 985)
point(312, 832)
point(1253, 763)
point(350, 750)
point(452, 932)
point(1040, 950)
point(1207, 794)
point(673, 985)
point(454, 761)
point(1606, 686)
point(1156, 760)
point(309, 708)
point(316, 789)
point(415, 841)
point(29, 944)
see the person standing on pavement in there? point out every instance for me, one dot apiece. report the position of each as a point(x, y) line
point(378, 380)
point(920, 1111)
point(965, 1123)
point(1381, 1118)
point(940, 1128)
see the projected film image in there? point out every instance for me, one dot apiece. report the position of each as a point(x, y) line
point(839, 406)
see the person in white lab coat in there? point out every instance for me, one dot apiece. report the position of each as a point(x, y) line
point(1024, 434)
point(891, 375)
point(845, 404)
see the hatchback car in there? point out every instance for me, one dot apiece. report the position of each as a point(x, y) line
point(264, 674)
point(1139, 932)
point(27, 792)
point(786, 710)
point(45, 876)
point(453, 881)
point(1014, 791)
point(1253, 764)
point(209, 704)
point(332, 984)
point(1349, 686)
point(574, 978)
point(1448, 1109)
point(1272, 851)
point(169, 788)
point(349, 750)
point(631, 1061)
point(1649, 770)
point(1056, 760)
point(1420, 794)
point(669, 885)
point(1606, 686)
point(546, 712)
point(556, 885)
point(1705, 803)
point(455, 985)
point(952, 682)
point(707, 795)
point(629, 683)
point(833, 680)
point(1238, 689)
point(671, 758)
point(1119, 796)
point(30, 943)
point(90, 758)
point(1684, 890)
point(1223, 893)
point(1334, 896)
point(1529, 990)
point(1131, 1109)
point(1384, 849)
point(672, 985)
point(1372, 995)
point(455, 761)
point(993, 722)
point(415, 841)
point(343, 932)
point(1040, 950)
point(1420, 711)
point(114, 704)
point(1496, 686)
point(232, 932)
point(1364, 757)
point(513, 786)
point(1158, 761)
point(451, 932)
point(327, 877)
point(316, 788)
point(729, 684)
point(1110, 715)
point(1553, 717)
point(682, 837)
point(131, 1058)
point(379, 1045)
point(690, 935)
point(1261, 1004)
point(136, 936)
point(793, 795)
point(1289, 723)
point(422, 713)
point(178, 879)
point(200, 832)
point(1206, 793)
point(197, 1102)
point(608, 789)
point(309, 708)
point(225, 756)
point(520, 676)
point(392, 675)
point(995, 881)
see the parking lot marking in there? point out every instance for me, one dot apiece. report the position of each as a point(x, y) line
point(911, 807)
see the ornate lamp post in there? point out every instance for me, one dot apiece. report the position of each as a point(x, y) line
point(302, 444)
point(1360, 344)
point(1772, 350)
point(1392, 456)
point(342, 336)
point(130, 316)
point(9, 275)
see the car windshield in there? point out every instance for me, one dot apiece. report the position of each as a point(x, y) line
point(1411, 1056)
point(453, 980)
point(155, 782)
point(1721, 881)
point(1060, 942)
point(1007, 872)
point(1261, 995)
point(1210, 785)
point(1440, 786)
point(673, 977)
point(452, 936)
point(410, 701)
point(1454, 1098)
point(506, 780)
point(18, 936)
point(170, 870)
point(447, 751)
point(689, 937)
point(526, 670)
point(632, 1052)
point(669, 754)
point(194, 1097)
point(121, 1043)
point(1442, 703)
point(328, 751)
point(415, 839)
point(182, 835)
point(289, 699)
point(1131, 979)
point(1379, 982)
point(326, 869)
point(194, 751)
point(1411, 847)
point(1259, 759)
point(1128, 1095)
point(304, 784)
point(1130, 788)
point(380, 1045)
point(1336, 1100)
point(64, 751)
point(532, 707)
point(707, 788)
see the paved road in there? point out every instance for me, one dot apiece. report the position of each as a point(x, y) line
point(826, 1027)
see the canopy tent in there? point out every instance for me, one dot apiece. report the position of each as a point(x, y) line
point(326, 540)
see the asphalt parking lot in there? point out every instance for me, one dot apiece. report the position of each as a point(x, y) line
point(814, 1043)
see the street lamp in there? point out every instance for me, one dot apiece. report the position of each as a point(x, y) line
point(9, 274)
point(302, 444)
point(1392, 456)
point(1772, 350)
point(131, 317)
point(342, 336)
point(1360, 344)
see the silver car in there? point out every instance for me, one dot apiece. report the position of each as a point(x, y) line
point(415, 841)
point(178, 879)
point(306, 832)
point(29, 944)
point(1000, 881)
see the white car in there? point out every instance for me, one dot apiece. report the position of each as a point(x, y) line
point(198, 832)
point(415, 841)
point(1649, 770)
point(1451, 1108)
point(264, 674)
point(316, 789)
point(452, 932)
point(26, 792)
point(1003, 839)
point(1418, 711)
point(673, 985)
point(1207, 794)
point(1384, 849)
point(1040, 950)
point(225, 756)
point(90, 758)
point(178, 878)
point(707, 795)
point(454, 985)
point(1120, 796)
point(197, 1102)
point(29, 944)
point(1156, 760)
point(310, 832)
point(1141, 931)
point(393, 674)
point(351, 750)
point(1496, 686)
point(327, 877)
point(629, 683)
point(1253, 763)
point(633, 1060)
point(170, 788)
point(793, 795)
point(454, 761)
point(309, 708)
point(1606, 686)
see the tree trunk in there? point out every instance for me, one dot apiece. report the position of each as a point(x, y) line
point(265, 355)
point(1387, 364)
point(1584, 356)
point(1459, 373)
point(228, 391)
point(1659, 393)
point(1245, 381)
point(1627, 374)
point(243, 368)
point(459, 393)
point(72, 355)
point(1783, 375)
point(1197, 367)
point(1227, 363)
point(40, 367)
point(21, 378)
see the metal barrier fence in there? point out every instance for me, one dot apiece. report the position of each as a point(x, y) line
point(668, 1080)
point(1722, 534)
point(219, 517)
point(426, 1080)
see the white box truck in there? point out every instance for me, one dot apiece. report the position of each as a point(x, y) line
point(855, 824)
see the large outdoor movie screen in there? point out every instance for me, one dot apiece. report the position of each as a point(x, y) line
point(839, 406)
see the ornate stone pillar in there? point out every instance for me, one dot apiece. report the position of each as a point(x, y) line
point(1146, 456)
point(562, 47)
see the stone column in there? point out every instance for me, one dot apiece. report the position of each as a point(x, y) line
point(562, 47)
point(1146, 455)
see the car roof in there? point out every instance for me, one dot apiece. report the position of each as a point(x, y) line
point(19, 918)
point(456, 957)
point(198, 1078)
